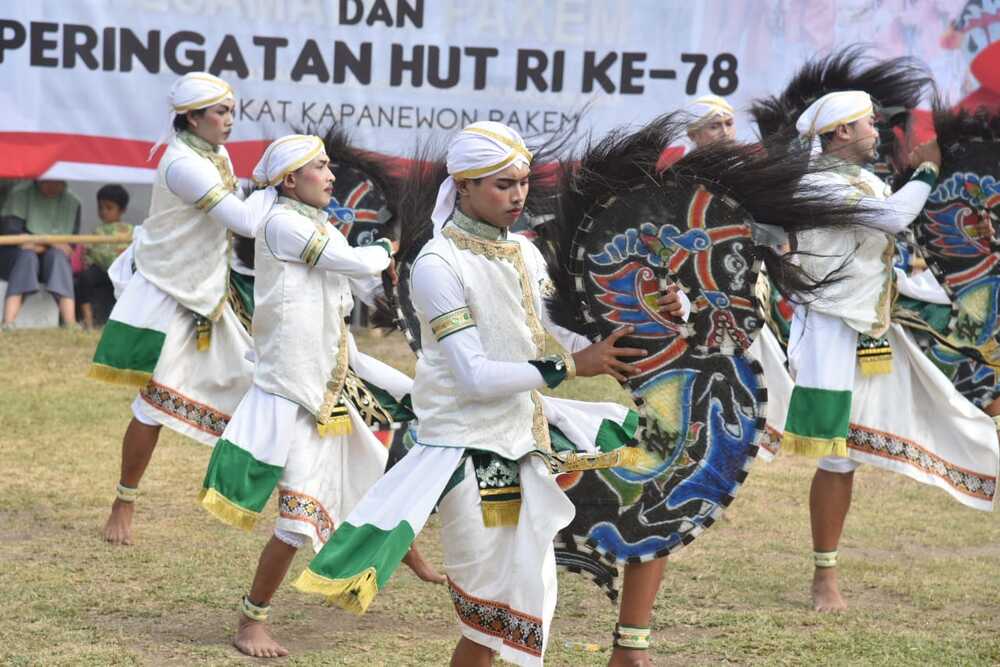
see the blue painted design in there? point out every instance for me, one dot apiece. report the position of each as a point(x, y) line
point(957, 186)
point(665, 241)
point(343, 214)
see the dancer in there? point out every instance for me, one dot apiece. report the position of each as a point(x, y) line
point(172, 332)
point(304, 426)
point(710, 118)
point(844, 411)
point(484, 447)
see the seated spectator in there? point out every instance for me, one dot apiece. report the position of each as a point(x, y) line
point(45, 207)
point(112, 200)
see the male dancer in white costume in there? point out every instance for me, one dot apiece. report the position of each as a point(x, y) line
point(483, 435)
point(173, 333)
point(852, 365)
point(304, 426)
point(708, 119)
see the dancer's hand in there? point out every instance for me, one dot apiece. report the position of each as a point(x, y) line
point(424, 570)
point(605, 357)
point(671, 303)
point(928, 151)
point(393, 274)
point(983, 229)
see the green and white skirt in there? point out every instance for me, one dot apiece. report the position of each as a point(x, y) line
point(907, 418)
point(502, 577)
point(271, 443)
point(152, 342)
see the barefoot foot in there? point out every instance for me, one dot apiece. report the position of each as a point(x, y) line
point(825, 592)
point(254, 639)
point(424, 570)
point(118, 529)
point(628, 657)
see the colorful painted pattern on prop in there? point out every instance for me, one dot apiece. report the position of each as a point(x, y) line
point(976, 381)
point(957, 231)
point(358, 208)
point(703, 403)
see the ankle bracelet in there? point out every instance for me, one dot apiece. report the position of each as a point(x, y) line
point(127, 494)
point(627, 636)
point(252, 611)
point(825, 558)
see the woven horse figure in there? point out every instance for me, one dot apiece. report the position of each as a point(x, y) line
point(622, 234)
point(957, 234)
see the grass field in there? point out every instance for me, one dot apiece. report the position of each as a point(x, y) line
point(921, 572)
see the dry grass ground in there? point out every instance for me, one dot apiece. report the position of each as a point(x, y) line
point(922, 572)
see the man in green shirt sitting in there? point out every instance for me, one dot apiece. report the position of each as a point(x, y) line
point(44, 207)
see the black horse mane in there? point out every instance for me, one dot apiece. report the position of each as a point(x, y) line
point(418, 189)
point(342, 152)
point(763, 179)
point(895, 85)
point(953, 126)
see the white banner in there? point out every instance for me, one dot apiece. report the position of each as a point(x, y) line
point(83, 83)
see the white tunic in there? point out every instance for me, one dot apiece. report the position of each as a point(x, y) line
point(302, 295)
point(935, 435)
point(863, 296)
point(474, 388)
point(183, 251)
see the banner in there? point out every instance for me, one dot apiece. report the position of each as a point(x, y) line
point(83, 83)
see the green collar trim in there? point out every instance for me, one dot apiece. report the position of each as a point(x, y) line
point(311, 212)
point(482, 230)
point(839, 165)
point(197, 143)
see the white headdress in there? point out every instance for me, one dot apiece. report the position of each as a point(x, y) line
point(481, 149)
point(705, 109)
point(280, 158)
point(286, 155)
point(195, 90)
point(831, 111)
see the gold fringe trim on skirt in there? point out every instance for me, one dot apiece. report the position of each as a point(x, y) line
point(814, 447)
point(340, 425)
point(500, 513)
point(353, 594)
point(119, 375)
point(227, 511)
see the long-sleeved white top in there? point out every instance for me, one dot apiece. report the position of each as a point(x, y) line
point(898, 211)
point(192, 178)
point(287, 235)
point(437, 289)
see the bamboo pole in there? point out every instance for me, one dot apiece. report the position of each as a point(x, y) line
point(52, 239)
